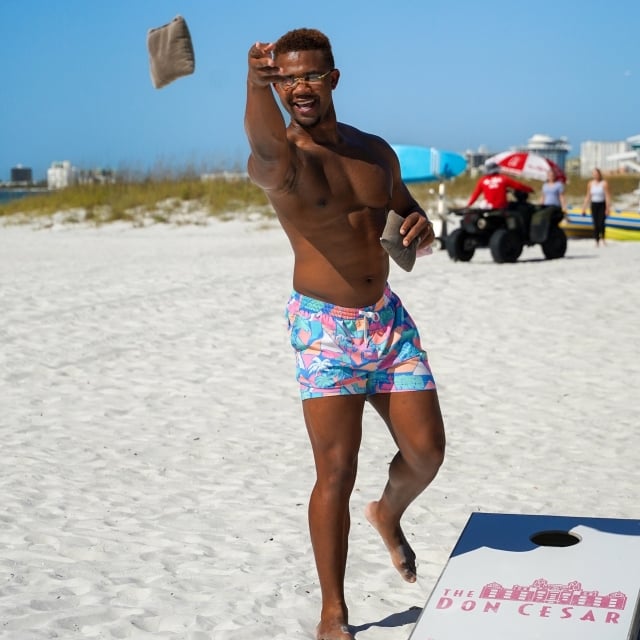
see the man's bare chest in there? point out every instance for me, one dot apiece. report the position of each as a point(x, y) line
point(352, 181)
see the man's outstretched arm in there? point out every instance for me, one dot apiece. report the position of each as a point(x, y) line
point(264, 125)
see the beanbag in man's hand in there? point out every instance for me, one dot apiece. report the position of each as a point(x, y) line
point(170, 52)
point(391, 240)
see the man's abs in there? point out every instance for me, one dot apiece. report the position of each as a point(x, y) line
point(338, 257)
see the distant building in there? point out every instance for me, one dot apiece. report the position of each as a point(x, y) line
point(554, 149)
point(21, 175)
point(634, 143)
point(95, 176)
point(609, 157)
point(476, 159)
point(229, 176)
point(628, 161)
point(61, 175)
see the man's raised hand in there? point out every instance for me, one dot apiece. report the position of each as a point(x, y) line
point(262, 69)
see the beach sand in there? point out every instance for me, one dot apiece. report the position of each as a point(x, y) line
point(155, 467)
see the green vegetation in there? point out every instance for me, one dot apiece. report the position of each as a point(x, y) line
point(161, 199)
point(158, 199)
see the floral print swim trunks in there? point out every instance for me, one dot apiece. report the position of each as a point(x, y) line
point(344, 351)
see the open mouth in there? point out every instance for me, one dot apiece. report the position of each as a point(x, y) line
point(304, 106)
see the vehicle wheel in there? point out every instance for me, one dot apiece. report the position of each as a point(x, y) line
point(505, 246)
point(459, 246)
point(555, 246)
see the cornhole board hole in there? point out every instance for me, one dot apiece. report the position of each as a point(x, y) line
point(528, 577)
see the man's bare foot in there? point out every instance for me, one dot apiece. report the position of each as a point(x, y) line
point(333, 630)
point(402, 555)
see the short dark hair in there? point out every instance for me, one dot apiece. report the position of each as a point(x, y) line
point(305, 40)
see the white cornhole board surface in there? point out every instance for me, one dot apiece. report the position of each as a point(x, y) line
point(499, 585)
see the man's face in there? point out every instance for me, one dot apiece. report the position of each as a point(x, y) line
point(309, 95)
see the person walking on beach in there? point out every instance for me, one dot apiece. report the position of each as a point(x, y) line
point(553, 192)
point(332, 187)
point(494, 187)
point(600, 199)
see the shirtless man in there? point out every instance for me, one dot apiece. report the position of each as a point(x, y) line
point(332, 186)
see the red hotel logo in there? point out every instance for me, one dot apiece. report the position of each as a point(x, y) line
point(541, 591)
point(539, 599)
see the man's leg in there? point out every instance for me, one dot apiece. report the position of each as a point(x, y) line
point(335, 429)
point(415, 422)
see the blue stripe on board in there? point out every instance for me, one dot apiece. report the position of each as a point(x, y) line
point(512, 532)
point(618, 222)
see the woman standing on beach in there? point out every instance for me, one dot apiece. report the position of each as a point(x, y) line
point(598, 195)
point(553, 192)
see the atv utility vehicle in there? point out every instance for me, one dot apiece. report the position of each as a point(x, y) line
point(507, 231)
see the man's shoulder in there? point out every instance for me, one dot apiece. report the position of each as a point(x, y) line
point(350, 132)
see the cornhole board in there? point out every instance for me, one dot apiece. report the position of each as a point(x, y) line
point(530, 577)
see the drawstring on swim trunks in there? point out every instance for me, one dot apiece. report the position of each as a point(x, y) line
point(367, 317)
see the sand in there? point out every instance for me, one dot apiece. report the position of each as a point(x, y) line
point(155, 468)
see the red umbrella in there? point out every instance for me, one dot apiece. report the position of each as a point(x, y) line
point(527, 165)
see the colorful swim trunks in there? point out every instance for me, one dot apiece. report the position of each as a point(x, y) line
point(344, 351)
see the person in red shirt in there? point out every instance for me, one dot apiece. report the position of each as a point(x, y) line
point(494, 187)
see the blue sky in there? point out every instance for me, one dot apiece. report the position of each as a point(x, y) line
point(453, 75)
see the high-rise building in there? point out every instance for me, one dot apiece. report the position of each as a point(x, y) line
point(554, 149)
point(606, 156)
point(21, 175)
point(60, 175)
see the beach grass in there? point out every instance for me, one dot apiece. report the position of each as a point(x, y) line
point(126, 200)
point(224, 196)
